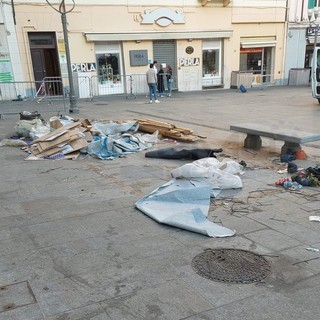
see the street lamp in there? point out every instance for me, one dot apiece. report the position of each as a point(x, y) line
point(62, 10)
point(313, 16)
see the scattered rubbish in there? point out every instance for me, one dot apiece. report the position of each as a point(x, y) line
point(242, 88)
point(309, 177)
point(175, 153)
point(280, 182)
point(287, 183)
point(287, 157)
point(306, 178)
point(183, 204)
point(292, 167)
point(26, 115)
point(243, 163)
point(13, 143)
point(300, 155)
point(313, 249)
point(24, 127)
point(168, 130)
point(19, 98)
point(314, 218)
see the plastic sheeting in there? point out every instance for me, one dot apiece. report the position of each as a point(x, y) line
point(223, 175)
point(184, 204)
point(115, 140)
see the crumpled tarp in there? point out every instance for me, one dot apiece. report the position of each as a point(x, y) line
point(184, 201)
point(116, 139)
point(175, 153)
point(220, 174)
point(109, 148)
point(184, 204)
point(113, 128)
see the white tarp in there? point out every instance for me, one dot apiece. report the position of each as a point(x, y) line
point(183, 203)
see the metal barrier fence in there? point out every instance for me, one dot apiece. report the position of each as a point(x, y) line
point(45, 95)
point(250, 78)
point(55, 90)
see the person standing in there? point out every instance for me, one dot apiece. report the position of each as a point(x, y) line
point(152, 83)
point(155, 66)
point(169, 79)
point(161, 81)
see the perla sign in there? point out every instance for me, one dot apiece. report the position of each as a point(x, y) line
point(83, 67)
point(189, 62)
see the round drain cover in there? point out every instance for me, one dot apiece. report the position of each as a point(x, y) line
point(231, 266)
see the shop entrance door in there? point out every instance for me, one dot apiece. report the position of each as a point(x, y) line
point(45, 60)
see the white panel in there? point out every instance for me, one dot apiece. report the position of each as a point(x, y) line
point(107, 47)
point(211, 44)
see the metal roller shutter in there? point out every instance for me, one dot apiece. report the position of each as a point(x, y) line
point(164, 51)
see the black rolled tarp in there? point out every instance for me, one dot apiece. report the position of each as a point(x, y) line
point(186, 154)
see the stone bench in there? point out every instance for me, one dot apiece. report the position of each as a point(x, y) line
point(292, 137)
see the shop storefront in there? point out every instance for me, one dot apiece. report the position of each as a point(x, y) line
point(257, 57)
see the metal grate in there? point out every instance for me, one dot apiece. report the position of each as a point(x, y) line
point(231, 266)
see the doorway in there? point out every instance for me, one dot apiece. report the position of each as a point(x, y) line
point(45, 61)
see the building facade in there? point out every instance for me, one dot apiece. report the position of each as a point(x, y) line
point(208, 43)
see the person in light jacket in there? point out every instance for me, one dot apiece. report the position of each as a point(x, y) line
point(152, 83)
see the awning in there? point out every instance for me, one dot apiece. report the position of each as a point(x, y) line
point(258, 44)
point(132, 36)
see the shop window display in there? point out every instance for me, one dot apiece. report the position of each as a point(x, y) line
point(108, 67)
point(210, 62)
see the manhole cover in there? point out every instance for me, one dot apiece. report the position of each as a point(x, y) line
point(231, 266)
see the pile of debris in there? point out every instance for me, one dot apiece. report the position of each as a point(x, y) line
point(64, 142)
point(65, 138)
point(168, 130)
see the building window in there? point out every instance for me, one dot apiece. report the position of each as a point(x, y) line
point(108, 67)
point(211, 63)
point(210, 60)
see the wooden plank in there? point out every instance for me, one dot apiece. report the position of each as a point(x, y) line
point(154, 122)
point(186, 138)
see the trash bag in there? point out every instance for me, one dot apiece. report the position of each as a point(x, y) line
point(23, 127)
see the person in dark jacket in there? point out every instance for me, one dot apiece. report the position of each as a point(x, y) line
point(161, 81)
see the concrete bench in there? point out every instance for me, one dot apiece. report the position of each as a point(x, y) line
point(292, 137)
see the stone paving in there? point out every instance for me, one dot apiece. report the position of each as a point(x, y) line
point(73, 246)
